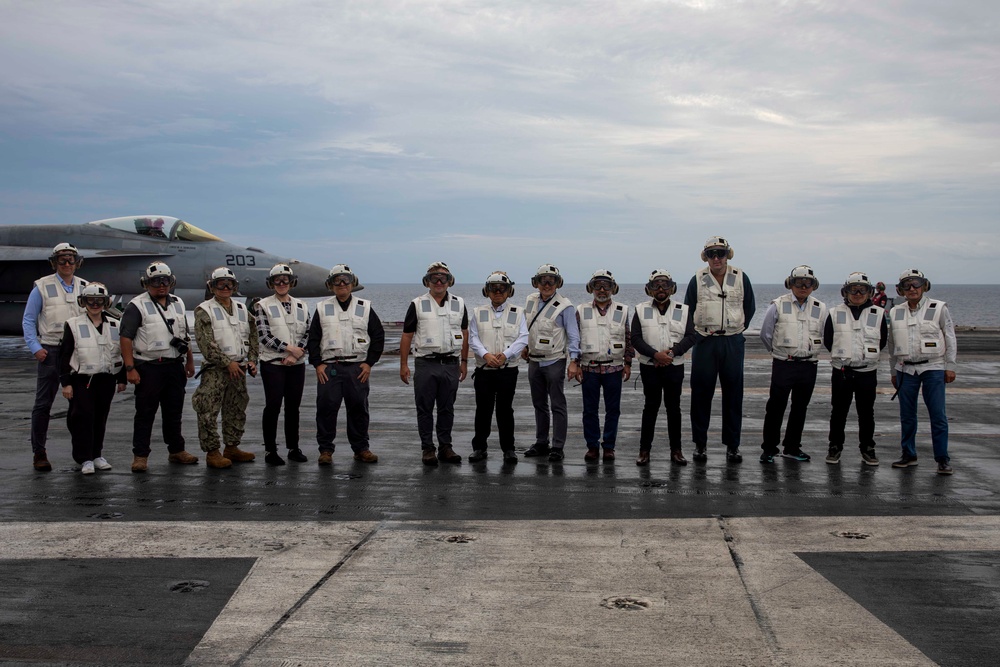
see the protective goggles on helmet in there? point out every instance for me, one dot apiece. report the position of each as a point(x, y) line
point(224, 283)
point(95, 301)
point(342, 279)
point(602, 284)
point(66, 260)
point(912, 283)
point(281, 280)
point(716, 253)
point(498, 288)
point(547, 281)
point(858, 290)
point(661, 284)
point(802, 283)
point(438, 278)
point(159, 281)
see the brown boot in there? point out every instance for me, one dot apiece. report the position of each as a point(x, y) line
point(42, 462)
point(215, 459)
point(326, 458)
point(139, 464)
point(366, 456)
point(237, 455)
point(448, 455)
point(182, 457)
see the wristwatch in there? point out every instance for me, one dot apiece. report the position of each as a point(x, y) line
point(129, 368)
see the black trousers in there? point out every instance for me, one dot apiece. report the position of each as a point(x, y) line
point(342, 386)
point(661, 385)
point(46, 388)
point(795, 378)
point(161, 387)
point(845, 385)
point(718, 357)
point(281, 383)
point(88, 414)
point(435, 384)
point(495, 388)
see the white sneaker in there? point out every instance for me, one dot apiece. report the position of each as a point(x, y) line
point(87, 468)
point(101, 463)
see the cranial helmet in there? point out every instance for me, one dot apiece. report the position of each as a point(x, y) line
point(281, 270)
point(716, 242)
point(498, 277)
point(221, 273)
point(663, 274)
point(438, 267)
point(64, 248)
point(92, 290)
point(912, 273)
point(801, 271)
point(342, 270)
point(602, 274)
point(155, 270)
point(856, 278)
point(547, 270)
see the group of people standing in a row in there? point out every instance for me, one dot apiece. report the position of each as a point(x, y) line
point(80, 347)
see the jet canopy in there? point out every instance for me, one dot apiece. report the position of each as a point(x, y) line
point(158, 227)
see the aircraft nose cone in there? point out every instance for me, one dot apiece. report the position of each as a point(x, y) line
point(312, 279)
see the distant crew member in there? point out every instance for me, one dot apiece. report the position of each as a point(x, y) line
point(923, 355)
point(721, 302)
point(282, 329)
point(793, 333)
point(227, 338)
point(91, 367)
point(855, 334)
point(553, 334)
point(880, 299)
point(52, 301)
point(437, 325)
point(497, 334)
point(156, 349)
point(661, 333)
point(346, 340)
point(605, 363)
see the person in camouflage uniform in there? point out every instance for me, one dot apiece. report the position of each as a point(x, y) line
point(227, 337)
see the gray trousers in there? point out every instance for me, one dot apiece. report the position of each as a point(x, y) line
point(548, 384)
point(435, 383)
point(46, 388)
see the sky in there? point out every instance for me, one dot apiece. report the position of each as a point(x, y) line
point(506, 134)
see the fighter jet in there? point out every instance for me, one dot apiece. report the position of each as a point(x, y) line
point(117, 250)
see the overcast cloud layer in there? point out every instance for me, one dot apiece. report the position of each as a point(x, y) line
point(846, 135)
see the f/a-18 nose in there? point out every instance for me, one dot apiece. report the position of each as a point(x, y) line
point(311, 279)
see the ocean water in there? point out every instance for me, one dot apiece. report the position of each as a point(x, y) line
point(970, 305)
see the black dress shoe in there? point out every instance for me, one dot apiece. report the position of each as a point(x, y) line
point(509, 456)
point(478, 455)
point(537, 450)
point(733, 455)
point(592, 455)
point(297, 456)
point(556, 455)
point(643, 459)
point(700, 454)
point(273, 459)
point(609, 456)
point(677, 458)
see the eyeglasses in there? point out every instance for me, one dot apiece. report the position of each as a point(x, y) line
point(803, 283)
point(858, 290)
point(224, 284)
point(340, 281)
point(438, 278)
point(281, 281)
point(66, 261)
point(602, 285)
point(95, 301)
point(662, 284)
point(913, 283)
point(158, 281)
point(546, 281)
point(716, 253)
point(498, 288)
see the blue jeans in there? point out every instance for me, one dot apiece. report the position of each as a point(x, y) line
point(611, 383)
point(931, 384)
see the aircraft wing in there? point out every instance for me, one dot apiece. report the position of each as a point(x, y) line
point(10, 253)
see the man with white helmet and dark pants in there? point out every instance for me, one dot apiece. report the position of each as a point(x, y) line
point(227, 338)
point(855, 334)
point(497, 335)
point(282, 329)
point(661, 333)
point(346, 340)
point(553, 334)
point(605, 363)
point(52, 301)
point(721, 302)
point(156, 350)
point(437, 325)
point(793, 333)
point(923, 356)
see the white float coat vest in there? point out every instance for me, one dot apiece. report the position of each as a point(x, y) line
point(439, 328)
point(929, 341)
point(95, 352)
point(497, 333)
point(715, 311)
point(602, 337)
point(798, 332)
point(285, 326)
point(662, 331)
point(547, 341)
point(152, 338)
point(856, 341)
point(345, 332)
point(58, 305)
point(232, 332)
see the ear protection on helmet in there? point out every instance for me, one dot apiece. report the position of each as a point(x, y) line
point(547, 270)
point(660, 273)
point(714, 242)
point(801, 271)
point(606, 275)
point(281, 270)
point(438, 267)
point(912, 273)
point(498, 277)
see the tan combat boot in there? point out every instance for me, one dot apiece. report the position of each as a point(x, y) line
point(182, 457)
point(237, 455)
point(139, 464)
point(215, 459)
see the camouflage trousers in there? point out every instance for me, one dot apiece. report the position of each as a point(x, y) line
point(219, 393)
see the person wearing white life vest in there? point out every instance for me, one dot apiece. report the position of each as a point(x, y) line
point(52, 301)
point(605, 363)
point(497, 335)
point(553, 334)
point(855, 334)
point(793, 333)
point(156, 350)
point(346, 339)
point(661, 333)
point(721, 303)
point(91, 368)
point(282, 330)
point(437, 326)
point(923, 354)
point(227, 338)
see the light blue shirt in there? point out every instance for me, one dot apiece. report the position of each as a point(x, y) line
point(29, 323)
point(770, 318)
